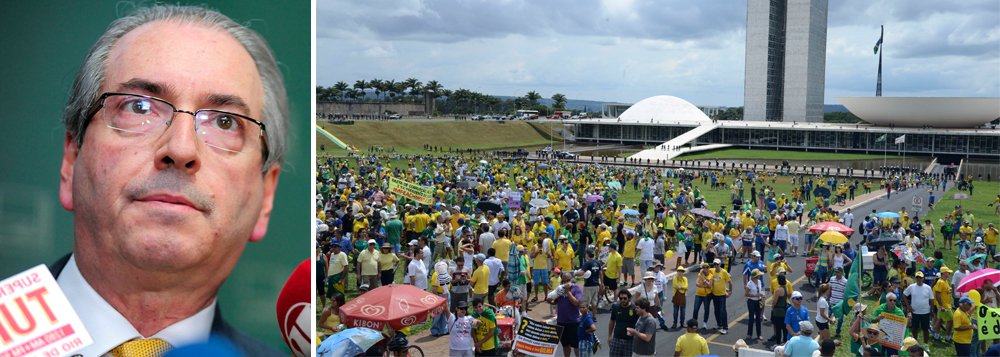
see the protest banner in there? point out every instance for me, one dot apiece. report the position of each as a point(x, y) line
point(989, 322)
point(894, 330)
point(37, 318)
point(423, 195)
point(513, 198)
point(535, 338)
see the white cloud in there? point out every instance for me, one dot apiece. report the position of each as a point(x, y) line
point(629, 50)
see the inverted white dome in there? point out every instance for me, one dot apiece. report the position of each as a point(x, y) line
point(663, 109)
point(936, 112)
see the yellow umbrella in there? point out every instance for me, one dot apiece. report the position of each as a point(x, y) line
point(833, 237)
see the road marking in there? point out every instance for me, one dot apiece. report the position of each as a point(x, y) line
point(746, 314)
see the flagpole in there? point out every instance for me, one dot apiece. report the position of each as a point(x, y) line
point(878, 86)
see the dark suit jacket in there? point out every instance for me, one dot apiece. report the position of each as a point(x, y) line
point(247, 345)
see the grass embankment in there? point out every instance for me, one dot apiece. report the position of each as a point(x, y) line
point(410, 137)
point(775, 155)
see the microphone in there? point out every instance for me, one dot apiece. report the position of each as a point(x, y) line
point(294, 309)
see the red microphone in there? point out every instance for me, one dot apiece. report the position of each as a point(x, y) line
point(294, 308)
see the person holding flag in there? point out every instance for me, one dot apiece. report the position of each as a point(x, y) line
point(852, 290)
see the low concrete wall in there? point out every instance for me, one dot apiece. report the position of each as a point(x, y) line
point(348, 108)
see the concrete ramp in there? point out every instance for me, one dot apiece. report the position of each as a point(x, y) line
point(333, 139)
point(674, 147)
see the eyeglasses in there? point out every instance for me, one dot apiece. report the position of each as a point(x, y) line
point(892, 300)
point(796, 298)
point(623, 297)
point(142, 115)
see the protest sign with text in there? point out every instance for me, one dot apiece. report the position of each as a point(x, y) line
point(36, 319)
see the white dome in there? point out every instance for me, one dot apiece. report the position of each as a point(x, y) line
point(663, 109)
point(935, 112)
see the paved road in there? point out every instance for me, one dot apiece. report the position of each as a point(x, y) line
point(736, 304)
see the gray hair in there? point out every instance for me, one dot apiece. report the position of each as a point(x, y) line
point(92, 73)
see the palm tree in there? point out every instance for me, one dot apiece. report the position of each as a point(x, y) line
point(341, 88)
point(360, 85)
point(378, 85)
point(389, 87)
point(533, 97)
point(435, 87)
point(560, 101)
point(414, 85)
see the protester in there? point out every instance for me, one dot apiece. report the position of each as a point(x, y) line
point(691, 344)
point(623, 317)
point(802, 345)
point(644, 333)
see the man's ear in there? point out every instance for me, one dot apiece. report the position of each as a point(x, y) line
point(270, 185)
point(70, 153)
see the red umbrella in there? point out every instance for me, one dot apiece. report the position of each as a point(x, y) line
point(398, 306)
point(975, 280)
point(831, 226)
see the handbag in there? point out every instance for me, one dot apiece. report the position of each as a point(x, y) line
point(678, 299)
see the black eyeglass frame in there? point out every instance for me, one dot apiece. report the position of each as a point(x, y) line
point(99, 103)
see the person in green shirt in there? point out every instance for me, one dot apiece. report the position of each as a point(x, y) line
point(890, 306)
point(393, 232)
point(485, 335)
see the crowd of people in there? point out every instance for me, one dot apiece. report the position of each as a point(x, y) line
point(501, 233)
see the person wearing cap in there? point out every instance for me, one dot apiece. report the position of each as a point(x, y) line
point(394, 232)
point(678, 288)
point(753, 290)
point(460, 327)
point(942, 300)
point(613, 267)
point(963, 328)
point(802, 345)
point(795, 314)
point(480, 279)
point(387, 262)
point(703, 293)
point(336, 271)
point(859, 332)
point(755, 263)
point(368, 265)
point(921, 304)
point(691, 344)
point(722, 286)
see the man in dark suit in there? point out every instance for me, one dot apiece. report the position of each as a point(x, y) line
point(175, 134)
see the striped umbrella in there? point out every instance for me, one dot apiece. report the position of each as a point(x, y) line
point(975, 280)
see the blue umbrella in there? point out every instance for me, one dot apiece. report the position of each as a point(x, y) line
point(887, 215)
point(350, 342)
point(630, 211)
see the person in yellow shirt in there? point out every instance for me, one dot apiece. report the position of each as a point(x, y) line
point(368, 262)
point(628, 257)
point(942, 299)
point(540, 255)
point(963, 329)
point(564, 255)
point(603, 235)
point(612, 267)
point(480, 278)
point(990, 238)
point(703, 293)
point(722, 286)
point(502, 247)
point(678, 288)
point(691, 344)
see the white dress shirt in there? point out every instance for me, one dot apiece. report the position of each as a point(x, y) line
point(109, 328)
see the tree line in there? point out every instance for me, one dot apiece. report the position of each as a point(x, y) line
point(447, 101)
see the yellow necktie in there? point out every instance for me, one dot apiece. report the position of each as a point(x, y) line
point(149, 347)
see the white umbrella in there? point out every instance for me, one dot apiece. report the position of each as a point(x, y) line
point(540, 203)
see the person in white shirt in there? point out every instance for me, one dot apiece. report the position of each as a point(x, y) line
point(921, 298)
point(496, 267)
point(460, 325)
point(645, 248)
point(823, 313)
point(754, 292)
point(848, 218)
point(417, 271)
point(793, 236)
point(781, 237)
point(486, 239)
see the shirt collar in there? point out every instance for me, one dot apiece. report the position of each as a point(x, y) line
point(109, 328)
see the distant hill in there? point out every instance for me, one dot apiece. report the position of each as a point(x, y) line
point(830, 108)
point(571, 104)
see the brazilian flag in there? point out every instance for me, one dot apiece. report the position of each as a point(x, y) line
point(878, 44)
point(881, 139)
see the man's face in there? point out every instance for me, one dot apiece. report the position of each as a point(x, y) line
point(166, 201)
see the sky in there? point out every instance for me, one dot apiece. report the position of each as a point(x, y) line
point(627, 50)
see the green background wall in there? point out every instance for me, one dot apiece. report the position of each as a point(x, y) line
point(42, 44)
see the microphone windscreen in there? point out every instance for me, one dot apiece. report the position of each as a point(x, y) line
point(294, 309)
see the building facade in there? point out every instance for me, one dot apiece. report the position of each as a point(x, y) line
point(785, 60)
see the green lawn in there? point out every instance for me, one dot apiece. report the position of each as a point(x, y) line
point(410, 137)
point(774, 155)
